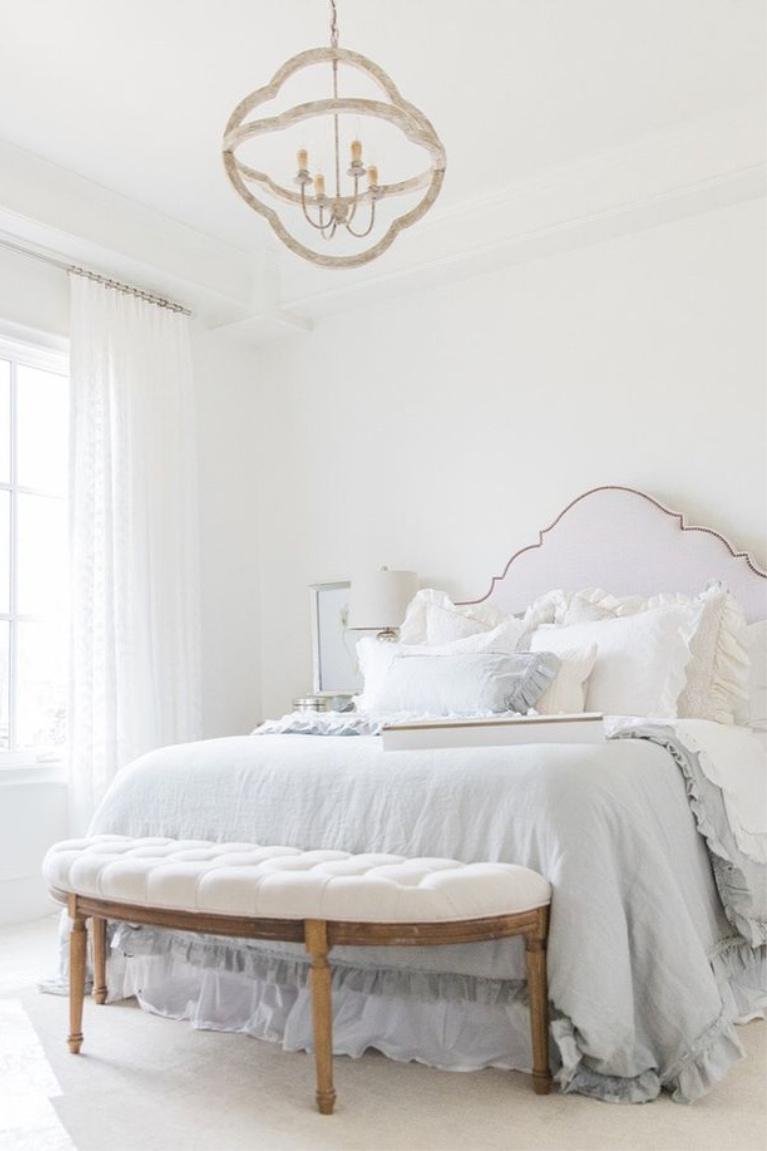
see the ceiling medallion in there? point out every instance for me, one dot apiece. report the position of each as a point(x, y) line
point(349, 208)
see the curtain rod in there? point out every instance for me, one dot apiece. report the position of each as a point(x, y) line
point(75, 270)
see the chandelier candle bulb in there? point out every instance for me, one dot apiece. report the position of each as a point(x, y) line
point(373, 176)
point(319, 186)
point(303, 160)
point(356, 150)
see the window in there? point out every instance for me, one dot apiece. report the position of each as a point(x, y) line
point(34, 437)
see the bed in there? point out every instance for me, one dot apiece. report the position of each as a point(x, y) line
point(657, 941)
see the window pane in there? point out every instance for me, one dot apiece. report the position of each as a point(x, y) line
point(41, 692)
point(41, 572)
point(4, 630)
point(5, 422)
point(42, 429)
point(5, 550)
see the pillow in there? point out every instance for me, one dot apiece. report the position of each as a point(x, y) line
point(434, 619)
point(753, 712)
point(374, 656)
point(567, 691)
point(716, 686)
point(641, 659)
point(418, 681)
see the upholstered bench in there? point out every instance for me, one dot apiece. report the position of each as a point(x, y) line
point(322, 899)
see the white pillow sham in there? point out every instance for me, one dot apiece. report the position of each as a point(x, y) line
point(413, 678)
point(717, 675)
point(567, 692)
point(641, 659)
point(432, 618)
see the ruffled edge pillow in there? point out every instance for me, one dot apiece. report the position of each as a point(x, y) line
point(432, 618)
point(641, 659)
point(717, 681)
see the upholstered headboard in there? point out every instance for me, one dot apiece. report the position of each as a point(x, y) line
point(628, 543)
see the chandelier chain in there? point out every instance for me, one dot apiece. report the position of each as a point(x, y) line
point(333, 24)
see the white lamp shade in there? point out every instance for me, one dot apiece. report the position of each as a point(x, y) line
point(379, 599)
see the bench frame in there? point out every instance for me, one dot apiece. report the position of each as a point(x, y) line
point(319, 936)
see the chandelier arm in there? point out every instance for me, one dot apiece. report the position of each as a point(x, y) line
point(320, 227)
point(371, 225)
point(355, 198)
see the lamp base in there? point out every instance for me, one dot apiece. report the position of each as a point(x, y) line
point(388, 635)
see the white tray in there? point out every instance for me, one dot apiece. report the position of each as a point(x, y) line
point(585, 727)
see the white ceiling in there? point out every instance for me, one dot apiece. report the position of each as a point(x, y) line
point(135, 96)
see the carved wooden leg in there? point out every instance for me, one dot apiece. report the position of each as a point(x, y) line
point(317, 946)
point(99, 942)
point(538, 993)
point(78, 945)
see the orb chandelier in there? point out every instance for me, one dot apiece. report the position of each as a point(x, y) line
point(347, 206)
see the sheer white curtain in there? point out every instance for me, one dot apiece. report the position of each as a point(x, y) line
point(135, 662)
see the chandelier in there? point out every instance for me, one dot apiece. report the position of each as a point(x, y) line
point(347, 205)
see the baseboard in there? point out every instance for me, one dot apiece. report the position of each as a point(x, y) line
point(23, 899)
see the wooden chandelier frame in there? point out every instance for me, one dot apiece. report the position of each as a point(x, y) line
point(398, 111)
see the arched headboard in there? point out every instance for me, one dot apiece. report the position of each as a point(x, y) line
point(628, 543)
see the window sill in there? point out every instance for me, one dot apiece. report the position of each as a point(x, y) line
point(33, 772)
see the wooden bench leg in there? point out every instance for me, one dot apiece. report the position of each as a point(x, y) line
point(538, 994)
point(99, 943)
point(78, 945)
point(316, 936)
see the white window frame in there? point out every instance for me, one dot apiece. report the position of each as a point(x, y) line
point(50, 354)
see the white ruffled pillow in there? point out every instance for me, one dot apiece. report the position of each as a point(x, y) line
point(716, 685)
point(567, 692)
point(432, 618)
point(641, 659)
point(753, 712)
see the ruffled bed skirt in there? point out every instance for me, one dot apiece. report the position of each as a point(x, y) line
point(449, 1021)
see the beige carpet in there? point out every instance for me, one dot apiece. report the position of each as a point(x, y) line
point(148, 1084)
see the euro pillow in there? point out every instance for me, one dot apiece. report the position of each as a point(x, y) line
point(432, 618)
point(418, 681)
point(716, 686)
point(567, 691)
point(641, 659)
point(753, 711)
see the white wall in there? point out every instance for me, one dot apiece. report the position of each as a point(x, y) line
point(441, 432)
point(33, 814)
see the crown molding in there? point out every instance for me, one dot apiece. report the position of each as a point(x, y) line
point(678, 171)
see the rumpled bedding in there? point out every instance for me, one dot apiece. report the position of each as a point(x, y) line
point(657, 927)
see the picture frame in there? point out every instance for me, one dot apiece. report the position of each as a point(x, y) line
point(334, 657)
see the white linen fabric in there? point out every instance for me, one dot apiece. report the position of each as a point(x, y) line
point(641, 661)
point(135, 667)
point(432, 618)
point(567, 691)
point(285, 883)
point(646, 972)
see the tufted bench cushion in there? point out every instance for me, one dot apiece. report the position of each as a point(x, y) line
point(244, 879)
point(320, 898)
